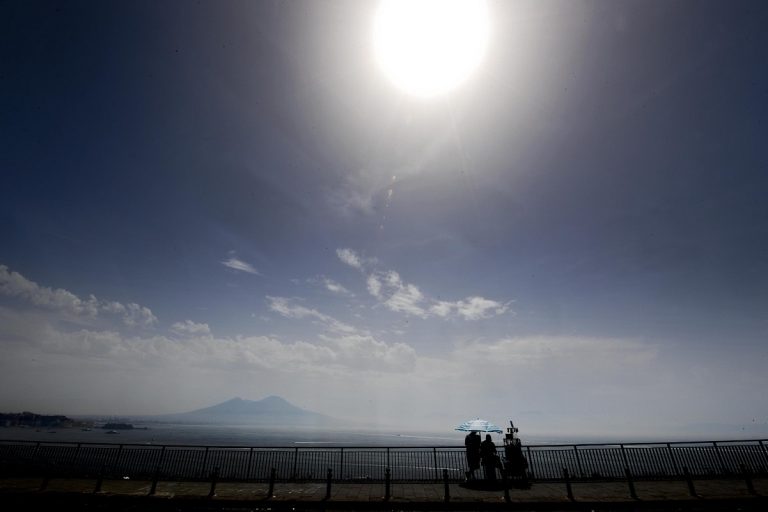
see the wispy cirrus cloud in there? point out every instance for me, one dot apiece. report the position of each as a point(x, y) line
point(237, 264)
point(13, 284)
point(538, 350)
point(289, 309)
point(388, 287)
point(331, 285)
point(335, 287)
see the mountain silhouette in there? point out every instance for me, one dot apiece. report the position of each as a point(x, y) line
point(272, 410)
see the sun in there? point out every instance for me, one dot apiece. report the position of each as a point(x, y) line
point(428, 47)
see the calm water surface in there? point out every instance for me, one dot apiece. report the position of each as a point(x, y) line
point(248, 435)
point(234, 435)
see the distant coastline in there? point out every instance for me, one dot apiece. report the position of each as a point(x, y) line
point(30, 419)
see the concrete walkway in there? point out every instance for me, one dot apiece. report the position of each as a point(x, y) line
point(665, 495)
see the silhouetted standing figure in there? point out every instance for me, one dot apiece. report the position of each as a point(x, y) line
point(472, 442)
point(489, 457)
point(516, 461)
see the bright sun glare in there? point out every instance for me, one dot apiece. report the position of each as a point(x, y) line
point(428, 47)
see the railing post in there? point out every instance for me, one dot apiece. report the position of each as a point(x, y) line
point(434, 457)
point(530, 463)
point(387, 479)
point(765, 451)
point(341, 464)
point(631, 484)
point(77, 453)
point(568, 489)
point(155, 478)
point(214, 479)
point(99, 480)
point(117, 458)
point(689, 481)
point(748, 479)
point(578, 460)
point(447, 496)
point(624, 455)
point(672, 458)
point(205, 461)
point(271, 491)
point(249, 465)
point(295, 463)
point(162, 458)
point(328, 479)
point(720, 458)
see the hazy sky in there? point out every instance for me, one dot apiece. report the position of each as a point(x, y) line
point(202, 200)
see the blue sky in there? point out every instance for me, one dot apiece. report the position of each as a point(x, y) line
point(209, 200)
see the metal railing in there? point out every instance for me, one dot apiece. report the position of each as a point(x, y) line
point(648, 461)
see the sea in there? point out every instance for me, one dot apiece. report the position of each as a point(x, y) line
point(231, 435)
point(160, 433)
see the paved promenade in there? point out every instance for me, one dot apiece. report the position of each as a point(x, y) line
point(134, 495)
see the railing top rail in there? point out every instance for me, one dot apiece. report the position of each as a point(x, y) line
point(373, 447)
point(239, 447)
point(647, 443)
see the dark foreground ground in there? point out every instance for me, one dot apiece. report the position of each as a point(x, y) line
point(129, 495)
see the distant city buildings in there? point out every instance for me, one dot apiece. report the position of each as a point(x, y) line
point(29, 419)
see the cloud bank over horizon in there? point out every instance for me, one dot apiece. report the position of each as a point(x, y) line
point(344, 364)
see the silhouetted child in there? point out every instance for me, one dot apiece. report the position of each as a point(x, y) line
point(490, 458)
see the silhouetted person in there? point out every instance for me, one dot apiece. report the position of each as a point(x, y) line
point(472, 442)
point(516, 462)
point(489, 457)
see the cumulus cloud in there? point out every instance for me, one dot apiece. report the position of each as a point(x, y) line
point(289, 309)
point(366, 352)
point(133, 314)
point(193, 345)
point(13, 284)
point(402, 297)
point(238, 264)
point(350, 257)
point(471, 308)
point(442, 308)
point(188, 327)
point(374, 285)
